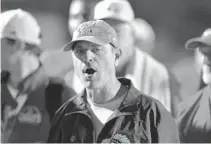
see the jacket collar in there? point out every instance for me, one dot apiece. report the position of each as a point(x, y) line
point(133, 94)
point(79, 103)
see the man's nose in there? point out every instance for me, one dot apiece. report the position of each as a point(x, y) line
point(89, 56)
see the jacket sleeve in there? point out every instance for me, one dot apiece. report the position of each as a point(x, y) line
point(55, 134)
point(186, 114)
point(55, 130)
point(56, 94)
point(164, 126)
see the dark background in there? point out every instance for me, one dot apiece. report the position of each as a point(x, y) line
point(174, 22)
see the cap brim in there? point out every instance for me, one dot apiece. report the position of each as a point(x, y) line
point(91, 39)
point(196, 42)
point(114, 19)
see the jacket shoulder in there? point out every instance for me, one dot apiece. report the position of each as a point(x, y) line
point(146, 102)
point(63, 110)
point(161, 122)
point(150, 103)
point(54, 134)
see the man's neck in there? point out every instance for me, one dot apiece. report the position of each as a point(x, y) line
point(104, 94)
point(121, 71)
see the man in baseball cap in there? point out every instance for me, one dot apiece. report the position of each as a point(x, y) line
point(204, 39)
point(106, 111)
point(79, 11)
point(148, 75)
point(23, 80)
point(99, 33)
point(198, 45)
point(194, 117)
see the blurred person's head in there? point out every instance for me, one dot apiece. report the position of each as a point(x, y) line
point(95, 52)
point(80, 11)
point(20, 40)
point(119, 14)
point(203, 46)
point(144, 35)
point(198, 57)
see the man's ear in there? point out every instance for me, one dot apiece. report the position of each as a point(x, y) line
point(118, 53)
point(116, 62)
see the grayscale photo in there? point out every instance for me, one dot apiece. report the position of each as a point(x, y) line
point(105, 71)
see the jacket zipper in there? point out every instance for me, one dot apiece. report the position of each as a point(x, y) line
point(94, 131)
point(113, 119)
point(116, 115)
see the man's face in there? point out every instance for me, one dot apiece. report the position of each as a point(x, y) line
point(126, 40)
point(206, 63)
point(16, 60)
point(94, 64)
point(78, 13)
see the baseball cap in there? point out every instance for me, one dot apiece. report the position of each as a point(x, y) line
point(21, 25)
point(114, 9)
point(97, 31)
point(205, 39)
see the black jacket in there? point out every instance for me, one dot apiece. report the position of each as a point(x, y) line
point(194, 117)
point(139, 118)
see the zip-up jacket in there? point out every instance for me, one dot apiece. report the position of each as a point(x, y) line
point(139, 118)
point(194, 117)
point(32, 123)
point(147, 74)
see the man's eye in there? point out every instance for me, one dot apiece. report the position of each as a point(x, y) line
point(97, 50)
point(79, 52)
point(11, 41)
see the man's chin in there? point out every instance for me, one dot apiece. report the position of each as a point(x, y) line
point(90, 85)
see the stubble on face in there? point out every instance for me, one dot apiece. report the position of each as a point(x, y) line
point(101, 65)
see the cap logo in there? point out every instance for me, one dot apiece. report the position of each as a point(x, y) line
point(90, 32)
point(114, 7)
point(86, 32)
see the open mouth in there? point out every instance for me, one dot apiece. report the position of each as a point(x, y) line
point(89, 71)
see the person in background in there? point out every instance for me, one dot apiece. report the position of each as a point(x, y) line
point(148, 75)
point(80, 11)
point(145, 38)
point(110, 109)
point(29, 97)
point(144, 35)
point(194, 117)
point(198, 63)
